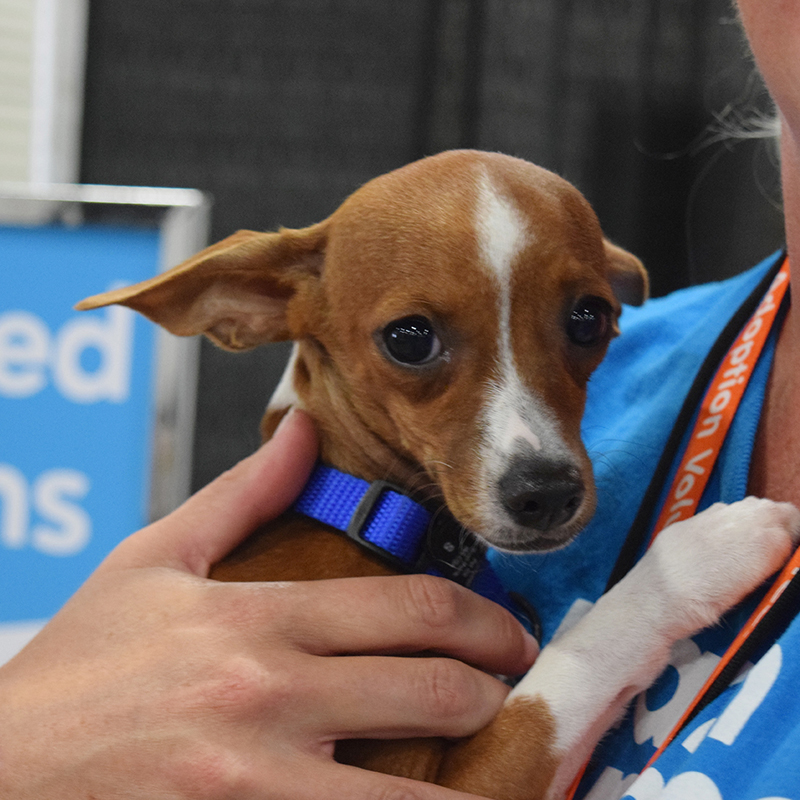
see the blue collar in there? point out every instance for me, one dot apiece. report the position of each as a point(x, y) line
point(384, 520)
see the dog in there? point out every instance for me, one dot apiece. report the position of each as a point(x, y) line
point(446, 319)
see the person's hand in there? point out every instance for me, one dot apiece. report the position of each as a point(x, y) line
point(154, 682)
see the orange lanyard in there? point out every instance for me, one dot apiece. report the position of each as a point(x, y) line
point(714, 419)
point(719, 408)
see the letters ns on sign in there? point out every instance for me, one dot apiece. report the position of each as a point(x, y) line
point(63, 527)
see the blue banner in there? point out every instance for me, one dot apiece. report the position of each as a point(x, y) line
point(76, 408)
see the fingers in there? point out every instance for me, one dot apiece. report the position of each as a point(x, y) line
point(381, 697)
point(402, 614)
point(311, 780)
point(322, 648)
point(302, 777)
point(345, 783)
point(213, 521)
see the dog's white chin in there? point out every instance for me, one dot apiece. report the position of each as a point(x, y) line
point(539, 542)
point(513, 538)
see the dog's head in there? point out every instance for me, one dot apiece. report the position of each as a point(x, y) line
point(447, 317)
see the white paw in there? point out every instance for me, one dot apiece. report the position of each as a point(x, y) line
point(716, 558)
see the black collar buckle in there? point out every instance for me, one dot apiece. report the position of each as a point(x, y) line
point(452, 550)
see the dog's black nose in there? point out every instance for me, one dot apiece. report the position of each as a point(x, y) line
point(541, 493)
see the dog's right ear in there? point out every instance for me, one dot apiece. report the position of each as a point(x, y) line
point(236, 291)
point(627, 275)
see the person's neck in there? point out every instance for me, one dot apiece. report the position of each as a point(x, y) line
point(775, 467)
point(790, 178)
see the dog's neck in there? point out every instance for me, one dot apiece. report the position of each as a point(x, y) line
point(347, 442)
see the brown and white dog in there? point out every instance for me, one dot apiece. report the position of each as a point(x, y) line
point(447, 318)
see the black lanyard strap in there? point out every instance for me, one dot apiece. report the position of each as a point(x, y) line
point(771, 625)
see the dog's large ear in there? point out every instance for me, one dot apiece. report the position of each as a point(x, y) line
point(236, 291)
point(627, 275)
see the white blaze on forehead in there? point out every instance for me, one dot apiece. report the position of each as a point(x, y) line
point(502, 234)
point(502, 231)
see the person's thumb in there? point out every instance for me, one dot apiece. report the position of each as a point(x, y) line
point(213, 521)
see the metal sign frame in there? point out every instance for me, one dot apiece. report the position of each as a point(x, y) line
point(180, 218)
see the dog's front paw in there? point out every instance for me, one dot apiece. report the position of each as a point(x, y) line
point(713, 560)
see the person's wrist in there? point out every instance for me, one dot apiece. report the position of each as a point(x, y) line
point(12, 745)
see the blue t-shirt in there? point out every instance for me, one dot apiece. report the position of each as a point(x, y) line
point(746, 744)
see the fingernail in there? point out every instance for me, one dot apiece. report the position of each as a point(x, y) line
point(532, 647)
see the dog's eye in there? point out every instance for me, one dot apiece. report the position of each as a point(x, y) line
point(412, 340)
point(589, 322)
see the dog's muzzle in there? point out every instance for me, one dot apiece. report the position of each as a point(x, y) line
point(541, 493)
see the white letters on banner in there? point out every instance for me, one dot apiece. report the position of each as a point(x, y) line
point(650, 785)
point(63, 529)
point(31, 356)
point(87, 360)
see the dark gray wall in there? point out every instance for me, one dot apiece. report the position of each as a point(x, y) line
point(280, 109)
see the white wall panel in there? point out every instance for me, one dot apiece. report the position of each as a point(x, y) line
point(42, 56)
